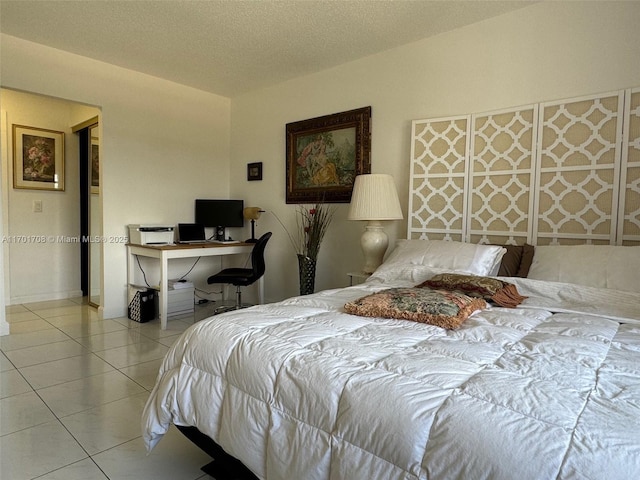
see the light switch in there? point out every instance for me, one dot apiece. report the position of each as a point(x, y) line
point(37, 206)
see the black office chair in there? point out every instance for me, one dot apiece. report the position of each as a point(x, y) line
point(242, 277)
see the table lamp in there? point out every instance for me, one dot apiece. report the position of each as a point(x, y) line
point(374, 199)
point(253, 214)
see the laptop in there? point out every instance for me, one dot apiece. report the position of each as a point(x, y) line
point(191, 233)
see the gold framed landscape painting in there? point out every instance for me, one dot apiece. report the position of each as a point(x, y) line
point(325, 154)
point(38, 158)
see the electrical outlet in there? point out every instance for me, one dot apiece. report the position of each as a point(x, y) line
point(37, 206)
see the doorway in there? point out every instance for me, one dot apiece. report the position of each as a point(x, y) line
point(51, 268)
point(90, 210)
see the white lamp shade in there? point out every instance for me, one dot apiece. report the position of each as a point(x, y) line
point(374, 197)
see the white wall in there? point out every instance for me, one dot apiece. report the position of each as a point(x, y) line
point(163, 144)
point(547, 51)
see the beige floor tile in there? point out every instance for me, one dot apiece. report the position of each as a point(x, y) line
point(26, 326)
point(21, 316)
point(174, 327)
point(174, 458)
point(83, 470)
point(79, 317)
point(48, 304)
point(133, 354)
point(80, 300)
point(81, 311)
point(50, 352)
point(15, 309)
point(109, 425)
point(74, 397)
point(35, 451)
point(169, 341)
point(105, 341)
point(64, 370)
point(31, 339)
point(23, 411)
point(124, 321)
point(144, 374)
point(5, 364)
point(12, 383)
point(72, 309)
point(71, 319)
point(86, 328)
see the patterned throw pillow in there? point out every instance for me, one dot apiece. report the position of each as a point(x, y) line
point(435, 307)
point(501, 293)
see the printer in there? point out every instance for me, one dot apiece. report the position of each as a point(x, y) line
point(151, 234)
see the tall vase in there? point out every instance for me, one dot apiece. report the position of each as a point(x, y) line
point(307, 271)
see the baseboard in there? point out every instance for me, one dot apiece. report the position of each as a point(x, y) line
point(45, 297)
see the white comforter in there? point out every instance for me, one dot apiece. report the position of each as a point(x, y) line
point(299, 390)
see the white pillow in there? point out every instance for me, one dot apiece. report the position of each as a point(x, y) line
point(601, 266)
point(418, 260)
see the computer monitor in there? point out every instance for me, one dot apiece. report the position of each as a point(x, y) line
point(219, 214)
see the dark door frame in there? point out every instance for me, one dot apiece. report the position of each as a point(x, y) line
point(83, 130)
point(83, 136)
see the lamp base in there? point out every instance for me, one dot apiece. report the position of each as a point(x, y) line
point(253, 238)
point(374, 243)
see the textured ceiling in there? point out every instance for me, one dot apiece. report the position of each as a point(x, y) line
point(231, 46)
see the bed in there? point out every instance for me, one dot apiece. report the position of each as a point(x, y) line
point(301, 389)
point(364, 383)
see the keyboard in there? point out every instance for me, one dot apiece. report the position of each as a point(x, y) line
point(224, 242)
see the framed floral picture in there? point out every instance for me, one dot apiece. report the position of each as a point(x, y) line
point(325, 154)
point(38, 158)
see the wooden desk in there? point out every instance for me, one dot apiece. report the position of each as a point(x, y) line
point(164, 253)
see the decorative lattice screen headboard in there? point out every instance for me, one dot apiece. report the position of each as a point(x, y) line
point(550, 173)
